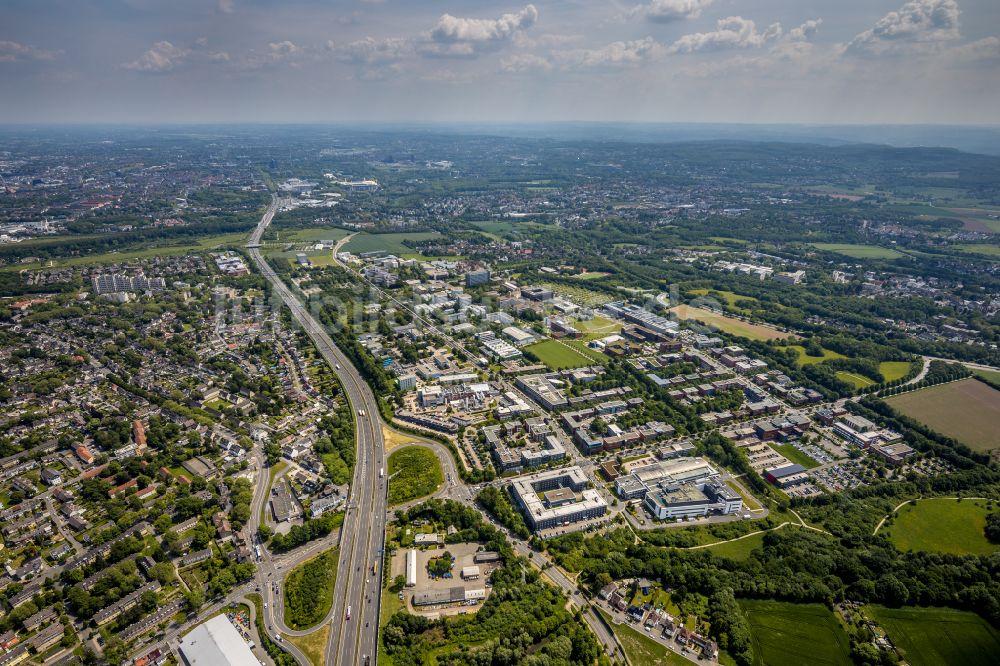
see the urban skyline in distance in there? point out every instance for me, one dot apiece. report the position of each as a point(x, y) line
point(717, 61)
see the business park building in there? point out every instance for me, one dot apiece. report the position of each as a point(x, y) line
point(557, 497)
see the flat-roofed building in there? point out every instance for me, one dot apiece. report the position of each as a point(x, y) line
point(579, 502)
point(216, 643)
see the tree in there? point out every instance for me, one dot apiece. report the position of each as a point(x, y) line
point(194, 599)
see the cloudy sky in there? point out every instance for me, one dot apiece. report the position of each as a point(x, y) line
point(804, 61)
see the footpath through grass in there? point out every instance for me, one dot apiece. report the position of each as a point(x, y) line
point(309, 590)
point(415, 471)
point(943, 526)
point(935, 636)
point(787, 634)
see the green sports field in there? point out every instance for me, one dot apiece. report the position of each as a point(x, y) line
point(936, 636)
point(786, 634)
point(853, 378)
point(942, 525)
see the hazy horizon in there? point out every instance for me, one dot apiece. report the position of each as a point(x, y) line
point(858, 62)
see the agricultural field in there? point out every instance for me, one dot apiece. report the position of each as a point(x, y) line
point(992, 375)
point(415, 472)
point(933, 636)
point(729, 324)
point(641, 649)
point(390, 243)
point(787, 634)
point(560, 355)
point(311, 234)
point(893, 370)
point(967, 410)
point(860, 251)
point(920, 526)
point(598, 327)
point(806, 359)
point(985, 249)
point(976, 219)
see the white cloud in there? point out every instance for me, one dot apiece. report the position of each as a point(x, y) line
point(17, 52)
point(804, 31)
point(465, 37)
point(732, 32)
point(165, 57)
point(917, 25)
point(373, 52)
point(525, 62)
point(667, 11)
point(226, 6)
point(987, 48)
point(275, 53)
point(616, 53)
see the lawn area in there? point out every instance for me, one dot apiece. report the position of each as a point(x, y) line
point(311, 234)
point(991, 375)
point(415, 472)
point(598, 327)
point(729, 297)
point(854, 379)
point(591, 275)
point(893, 370)
point(796, 456)
point(968, 410)
point(792, 634)
point(559, 355)
point(308, 590)
point(641, 649)
point(739, 549)
point(985, 249)
point(186, 246)
point(933, 636)
point(312, 645)
point(805, 359)
point(729, 324)
point(390, 243)
point(942, 525)
point(860, 251)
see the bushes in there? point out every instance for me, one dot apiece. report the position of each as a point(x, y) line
point(309, 590)
point(497, 502)
point(415, 472)
point(315, 528)
point(730, 627)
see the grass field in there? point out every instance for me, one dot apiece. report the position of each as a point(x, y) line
point(591, 275)
point(934, 636)
point(186, 246)
point(893, 370)
point(942, 525)
point(860, 251)
point(985, 249)
point(795, 455)
point(793, 634)
point(853, 378)
point(390, 243)
point(415, 472)
point(805, 359)
point(598, 327)
point(991, 375)
point(559, 355)
point(739, 549)
point(729, 297)
point(311, 234)
point(967, 410)
point(308, 590)
point(641, 649)
point(729, 324)
point(312, 645)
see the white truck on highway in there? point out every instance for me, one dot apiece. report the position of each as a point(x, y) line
point(381, 472)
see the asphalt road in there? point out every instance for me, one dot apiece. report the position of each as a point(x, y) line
point(354, 619)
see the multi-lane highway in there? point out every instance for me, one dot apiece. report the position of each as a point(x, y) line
point(354, 618)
